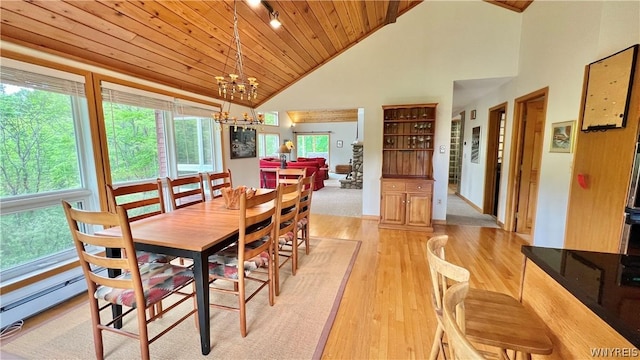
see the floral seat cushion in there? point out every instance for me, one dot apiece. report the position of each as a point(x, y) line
point(302, 223)
point(225, 263)
point(150, 257)
point(158, 280)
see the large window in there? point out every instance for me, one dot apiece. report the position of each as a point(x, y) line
point(312, 145)
point(44, 157)
point(268, 144)
point(271, 118)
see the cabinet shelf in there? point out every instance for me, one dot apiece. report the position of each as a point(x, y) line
point(407, 170)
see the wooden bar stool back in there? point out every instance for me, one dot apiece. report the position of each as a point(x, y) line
point(492, 318)
point(217, 182)
point(286, 227)
point(453, 317)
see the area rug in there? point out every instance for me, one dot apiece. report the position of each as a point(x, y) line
point(296, 327)
point(461, 213)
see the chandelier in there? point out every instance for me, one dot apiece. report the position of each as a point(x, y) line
point(236, 84)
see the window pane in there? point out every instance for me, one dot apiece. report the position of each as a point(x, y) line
point(34, 234)
point(272, 144)
point(313, 146)
point(194, 145)
point(38, 146)
point(133, 135)
point(271, 118)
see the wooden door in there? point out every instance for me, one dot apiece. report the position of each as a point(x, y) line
point(534, 118)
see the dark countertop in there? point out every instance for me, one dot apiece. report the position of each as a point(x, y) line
point(608, 284)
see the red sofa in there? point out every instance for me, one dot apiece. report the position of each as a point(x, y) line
point(322, 164)
point(268, 178)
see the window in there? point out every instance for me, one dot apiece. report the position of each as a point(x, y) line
point(44, 157)
point(312, 145)
point(268, 145)
point(198, 145)
point(271, 118)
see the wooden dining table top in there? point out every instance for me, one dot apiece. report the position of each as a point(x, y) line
point(195, 227)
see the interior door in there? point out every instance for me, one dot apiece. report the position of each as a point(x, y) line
point(530, 165)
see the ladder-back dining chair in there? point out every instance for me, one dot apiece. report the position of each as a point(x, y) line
point(138, 287)
point(306, 193)
point(453, 318)
point(218, 181)
point(253, 250)
point(288, 203)
point(186, 191)
point(140, 201)
point(289, 175)
point(492, 318)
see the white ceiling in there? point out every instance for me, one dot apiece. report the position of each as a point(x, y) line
point(466, 92)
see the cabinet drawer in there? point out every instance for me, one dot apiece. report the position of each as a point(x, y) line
point(393, 186)
point(419, 186)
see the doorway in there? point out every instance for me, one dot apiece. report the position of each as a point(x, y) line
point(526, 157)
point(495, 148)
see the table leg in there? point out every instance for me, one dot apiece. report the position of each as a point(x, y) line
point(201, 275)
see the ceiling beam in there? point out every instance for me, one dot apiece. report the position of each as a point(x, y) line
point(392, 11)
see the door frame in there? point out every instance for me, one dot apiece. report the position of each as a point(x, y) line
point(517, 142)
point(493, 133)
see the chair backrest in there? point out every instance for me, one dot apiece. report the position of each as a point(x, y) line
point(257, 220)
point(80, 223)
point(453, 319)
point(287, 208)
point(306, 192)
point(218, 181)
point(186, 191)
point(290, 175)
point(140, 200)
point(441, 270)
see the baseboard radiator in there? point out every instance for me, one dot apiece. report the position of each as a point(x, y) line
point(33, 299)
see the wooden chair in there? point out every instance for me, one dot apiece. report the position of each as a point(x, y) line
point(218, 181)
point(140, 201)
point(306, 192)
point(290, 175)
point(287, 208)
point(186, 191)
point(453, 318)
point(146, 284)
point(492, 318)
point(254, 249)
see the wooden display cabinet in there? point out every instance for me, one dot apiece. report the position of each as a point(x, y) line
point(407, 168)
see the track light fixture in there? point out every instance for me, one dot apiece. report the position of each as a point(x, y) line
point(273, 15)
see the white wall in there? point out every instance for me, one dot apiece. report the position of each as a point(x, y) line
point(440, 42)
point(558, 40)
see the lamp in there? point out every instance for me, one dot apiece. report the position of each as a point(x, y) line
point(285, 149)
point(237, 83)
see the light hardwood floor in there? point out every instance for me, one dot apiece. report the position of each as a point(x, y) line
point(386, 310)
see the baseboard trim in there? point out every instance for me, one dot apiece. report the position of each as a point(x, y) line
point(470, 203)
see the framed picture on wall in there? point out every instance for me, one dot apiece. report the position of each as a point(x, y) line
point(242, 142)
point(562, 134)
point(473, 114)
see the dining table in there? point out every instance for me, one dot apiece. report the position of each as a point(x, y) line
point(193, 232)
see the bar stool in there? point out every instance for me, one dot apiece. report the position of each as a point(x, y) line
point(491, 318)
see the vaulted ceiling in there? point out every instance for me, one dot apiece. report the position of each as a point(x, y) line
point(184, 44)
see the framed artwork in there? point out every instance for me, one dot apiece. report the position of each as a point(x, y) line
point(473, 114)
point(562, 135)
point(242, 142)
point(607, 91)
point(475, 144)
point(339, 143)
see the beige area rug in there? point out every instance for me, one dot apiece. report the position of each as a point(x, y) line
point(296, 327)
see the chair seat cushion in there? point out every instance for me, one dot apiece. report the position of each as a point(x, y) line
point(158, 280)
point(286, 238)
point(302, 223)
point(225, 262)
point(150, 257)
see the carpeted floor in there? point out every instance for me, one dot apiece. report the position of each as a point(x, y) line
point(332, 200)
point(461, 213)
point(296, 327)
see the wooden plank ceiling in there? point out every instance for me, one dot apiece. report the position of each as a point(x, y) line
point(322, 116)
point(184, 44)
